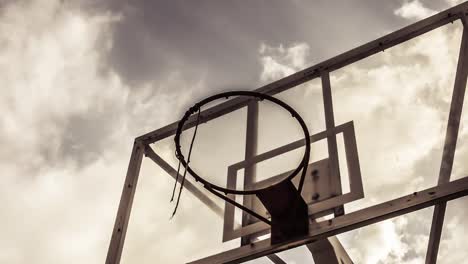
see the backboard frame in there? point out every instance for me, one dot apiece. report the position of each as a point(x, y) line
point(437, 196)
point(355, 180)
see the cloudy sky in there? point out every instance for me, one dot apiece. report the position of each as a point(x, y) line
point(81, 79)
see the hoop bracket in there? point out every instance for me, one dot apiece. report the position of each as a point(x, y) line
point(288, 210)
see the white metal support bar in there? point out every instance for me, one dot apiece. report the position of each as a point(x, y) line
point(205, 199)
point(451, 137)
point(125, 206)
point(335, 180)
point(251, 139)
point(329, 251)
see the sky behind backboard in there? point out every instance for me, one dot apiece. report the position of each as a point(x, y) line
point(81, 79)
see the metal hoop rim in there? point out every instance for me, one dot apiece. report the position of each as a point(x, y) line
point(302, 165)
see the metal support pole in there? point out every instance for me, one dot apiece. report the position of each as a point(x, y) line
point(329, 251)
point(251, 139)
point(125, 206)
point(275, 259)
point(322, 252)
point(451, 137)
point(334, 179)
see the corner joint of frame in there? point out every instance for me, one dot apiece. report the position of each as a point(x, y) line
point(323, 70)
point(464, 18)
point(139, 144)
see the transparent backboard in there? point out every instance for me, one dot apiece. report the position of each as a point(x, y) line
point(389, 129)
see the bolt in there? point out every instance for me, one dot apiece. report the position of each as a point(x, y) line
point(339, 210)
point(315, 174)
point(315, 196)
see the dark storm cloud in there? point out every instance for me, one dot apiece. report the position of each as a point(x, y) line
point(435, 4)
point(86, 136)
point(219, 40)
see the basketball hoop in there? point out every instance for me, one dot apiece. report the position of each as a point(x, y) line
point(259, 96)
point(287, 208)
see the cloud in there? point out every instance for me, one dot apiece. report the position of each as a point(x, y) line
point(414, 10)
point(278, 62)
point(220, 40)
point(50, 74)
point(81, 79)
point(454, 2)
point(59, 113)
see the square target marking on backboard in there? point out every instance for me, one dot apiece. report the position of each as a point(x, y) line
point(318, 193)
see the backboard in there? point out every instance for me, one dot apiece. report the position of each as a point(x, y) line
point(334, 177)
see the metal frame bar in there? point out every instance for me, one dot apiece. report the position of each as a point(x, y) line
point(451, 137)
point(149, 152)
point(344, 59)
point(313, 72)
point(367, 216)
point(335, 180)
point(251, 140)
point(340, 251)
point(125, 206)
point(330, 252)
